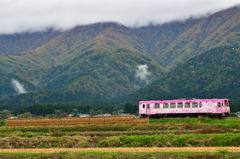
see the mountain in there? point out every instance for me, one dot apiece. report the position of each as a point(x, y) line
point(174, 43)
point(6, 88)
point(99, 61)
point(213, 74)
point(157, 38)
point(15, 44)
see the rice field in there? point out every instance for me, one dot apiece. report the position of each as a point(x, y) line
point(77, 121)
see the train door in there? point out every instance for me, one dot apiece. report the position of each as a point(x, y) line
point(148, 109)
point(227, 106)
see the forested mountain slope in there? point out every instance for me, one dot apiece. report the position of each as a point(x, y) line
point(214, 74)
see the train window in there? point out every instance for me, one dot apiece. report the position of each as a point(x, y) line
point(157, 105)
point(219, 104)
point(194, 105)
point(172, 105)
point(143, 106)
point(180, 105)
point(165, 105)
point(187, 105)
point(148, 106)
point(200, 104)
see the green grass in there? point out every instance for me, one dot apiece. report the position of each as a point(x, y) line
point(171, 140)
point(2, 122)
point(166, 140)
point(123, 155)
point(198, 120)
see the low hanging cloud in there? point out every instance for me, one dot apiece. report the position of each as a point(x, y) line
point(143, 74)
point(37, 15)
point(19, 88)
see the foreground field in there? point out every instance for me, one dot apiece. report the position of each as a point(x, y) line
point(159, 133)
point(164, 138)
point(222, 154)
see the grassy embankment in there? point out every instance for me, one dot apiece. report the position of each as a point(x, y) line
point(211, 121)
point(170, 140)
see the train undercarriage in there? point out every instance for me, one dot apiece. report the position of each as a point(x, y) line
point(183, 115)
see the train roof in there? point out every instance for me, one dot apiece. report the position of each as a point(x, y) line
point(182, 100)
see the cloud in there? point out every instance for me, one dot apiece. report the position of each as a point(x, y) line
point(143, 74)
point(19, 88)
point(33, 15)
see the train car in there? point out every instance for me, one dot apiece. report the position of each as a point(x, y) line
point(185, 107)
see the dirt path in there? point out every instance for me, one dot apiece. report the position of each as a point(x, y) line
point(145, 149)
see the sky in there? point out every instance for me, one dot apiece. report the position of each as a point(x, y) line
point(37, 15)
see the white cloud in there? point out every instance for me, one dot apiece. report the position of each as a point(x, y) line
point(19, 88)
point(25, 15)
point(143, 74)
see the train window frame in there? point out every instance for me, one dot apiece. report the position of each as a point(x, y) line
point(185, 105)
point(200, 104)
point(194, 104)
point(180, 105)
point(172, 105)
point(148, 106)
point(219, 104)
point(157, 105)
point(165, 105)
point(143, 106)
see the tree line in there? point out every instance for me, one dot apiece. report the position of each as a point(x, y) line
point(61, 110)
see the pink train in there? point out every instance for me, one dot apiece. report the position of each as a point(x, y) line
point(185, 107)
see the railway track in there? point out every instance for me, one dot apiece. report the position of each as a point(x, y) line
point(127, 149)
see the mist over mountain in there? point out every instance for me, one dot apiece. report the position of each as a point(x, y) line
point(19, 16)
point(102, 61)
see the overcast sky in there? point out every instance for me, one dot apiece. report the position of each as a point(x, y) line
point(25, 15)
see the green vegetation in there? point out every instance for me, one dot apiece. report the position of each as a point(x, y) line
point(59, 110)
point(193, 140)
point(102, 74)
point(2, 123)
point(211, 121)
point(78, 141)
